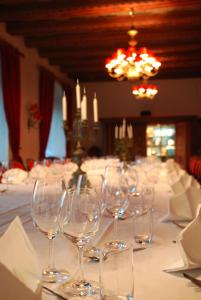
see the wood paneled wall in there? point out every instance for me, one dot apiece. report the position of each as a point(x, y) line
point(188, 131)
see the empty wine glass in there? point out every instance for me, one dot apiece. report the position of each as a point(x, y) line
point(143, 216)
point(116, 197)
point(45, 209)
point(79, 228)
point(97, 182)
point(3, 167)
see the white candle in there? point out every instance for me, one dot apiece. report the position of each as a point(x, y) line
point(131, 131)
point(84, 106)
point(120, 132)
point(95, 106)
point(124, 129)
point(116, 132)
point(128, 131)
point(64, 107)
point(78, 101)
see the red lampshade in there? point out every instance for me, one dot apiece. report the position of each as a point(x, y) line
point(145, 91)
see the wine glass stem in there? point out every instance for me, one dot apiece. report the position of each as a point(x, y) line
point(81, 271)
point(115, 225)
point(154, 192)
point(51, 253)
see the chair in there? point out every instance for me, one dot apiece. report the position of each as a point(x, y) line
point(192, 164)
point(14, 164)
point(30, 163)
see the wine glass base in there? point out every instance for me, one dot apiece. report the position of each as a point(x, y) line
point(53, 275)
point(116, 245)
point(143, 239)
point(93, 253)
point(126, 215)
point(80, 288)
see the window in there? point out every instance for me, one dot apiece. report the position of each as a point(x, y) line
point(3, 126)
point(56, 146)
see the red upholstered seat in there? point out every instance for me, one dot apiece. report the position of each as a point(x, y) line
point(195, 167)
point(198, 168)
point(30, 163)
point(14, 164)
point(192, 164)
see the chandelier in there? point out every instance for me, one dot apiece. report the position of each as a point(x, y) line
point(145, 91)
point(132, 63)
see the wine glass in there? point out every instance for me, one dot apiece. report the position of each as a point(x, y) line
point(143, 216)
point(3, 167)
point(45, 209)
point(97, 182)
point(116, 198)
point(79, 228)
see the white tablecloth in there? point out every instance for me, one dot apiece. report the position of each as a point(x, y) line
point(150, 281)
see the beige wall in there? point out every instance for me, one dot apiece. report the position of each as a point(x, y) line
point(175, 97)
point(29, 90)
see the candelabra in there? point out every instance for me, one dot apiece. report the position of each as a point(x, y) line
point(123, 148)
point(81, 132)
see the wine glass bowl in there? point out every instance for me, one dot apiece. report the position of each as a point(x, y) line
point(132, 179)
point(116, 200)
point(97, 182)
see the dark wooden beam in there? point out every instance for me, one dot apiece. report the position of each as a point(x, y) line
point(173, 20)
point(99, 67)
point(103, 76)
point(78, 35)
point(89, 9)
point(94, 57)
point(188, 36)
point(106, 51)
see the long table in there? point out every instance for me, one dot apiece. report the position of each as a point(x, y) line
point(150, 280)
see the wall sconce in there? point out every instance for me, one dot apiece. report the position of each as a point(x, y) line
point(34, 116)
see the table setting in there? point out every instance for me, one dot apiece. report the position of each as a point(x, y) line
point(112, 237)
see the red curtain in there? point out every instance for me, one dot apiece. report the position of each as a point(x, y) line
point(46, 90)
point(69, 95)
point(10, 61)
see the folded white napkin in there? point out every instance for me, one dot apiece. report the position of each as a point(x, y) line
point(39, 172)
point(183, 207)
point(19, 264)
point(96, 163)
point(173, 175)
point(195, 183)
point(189, 242)
point(70, 167)
point(182, 184)
point(96, 172)
point(14, 176)
point(57, 170)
